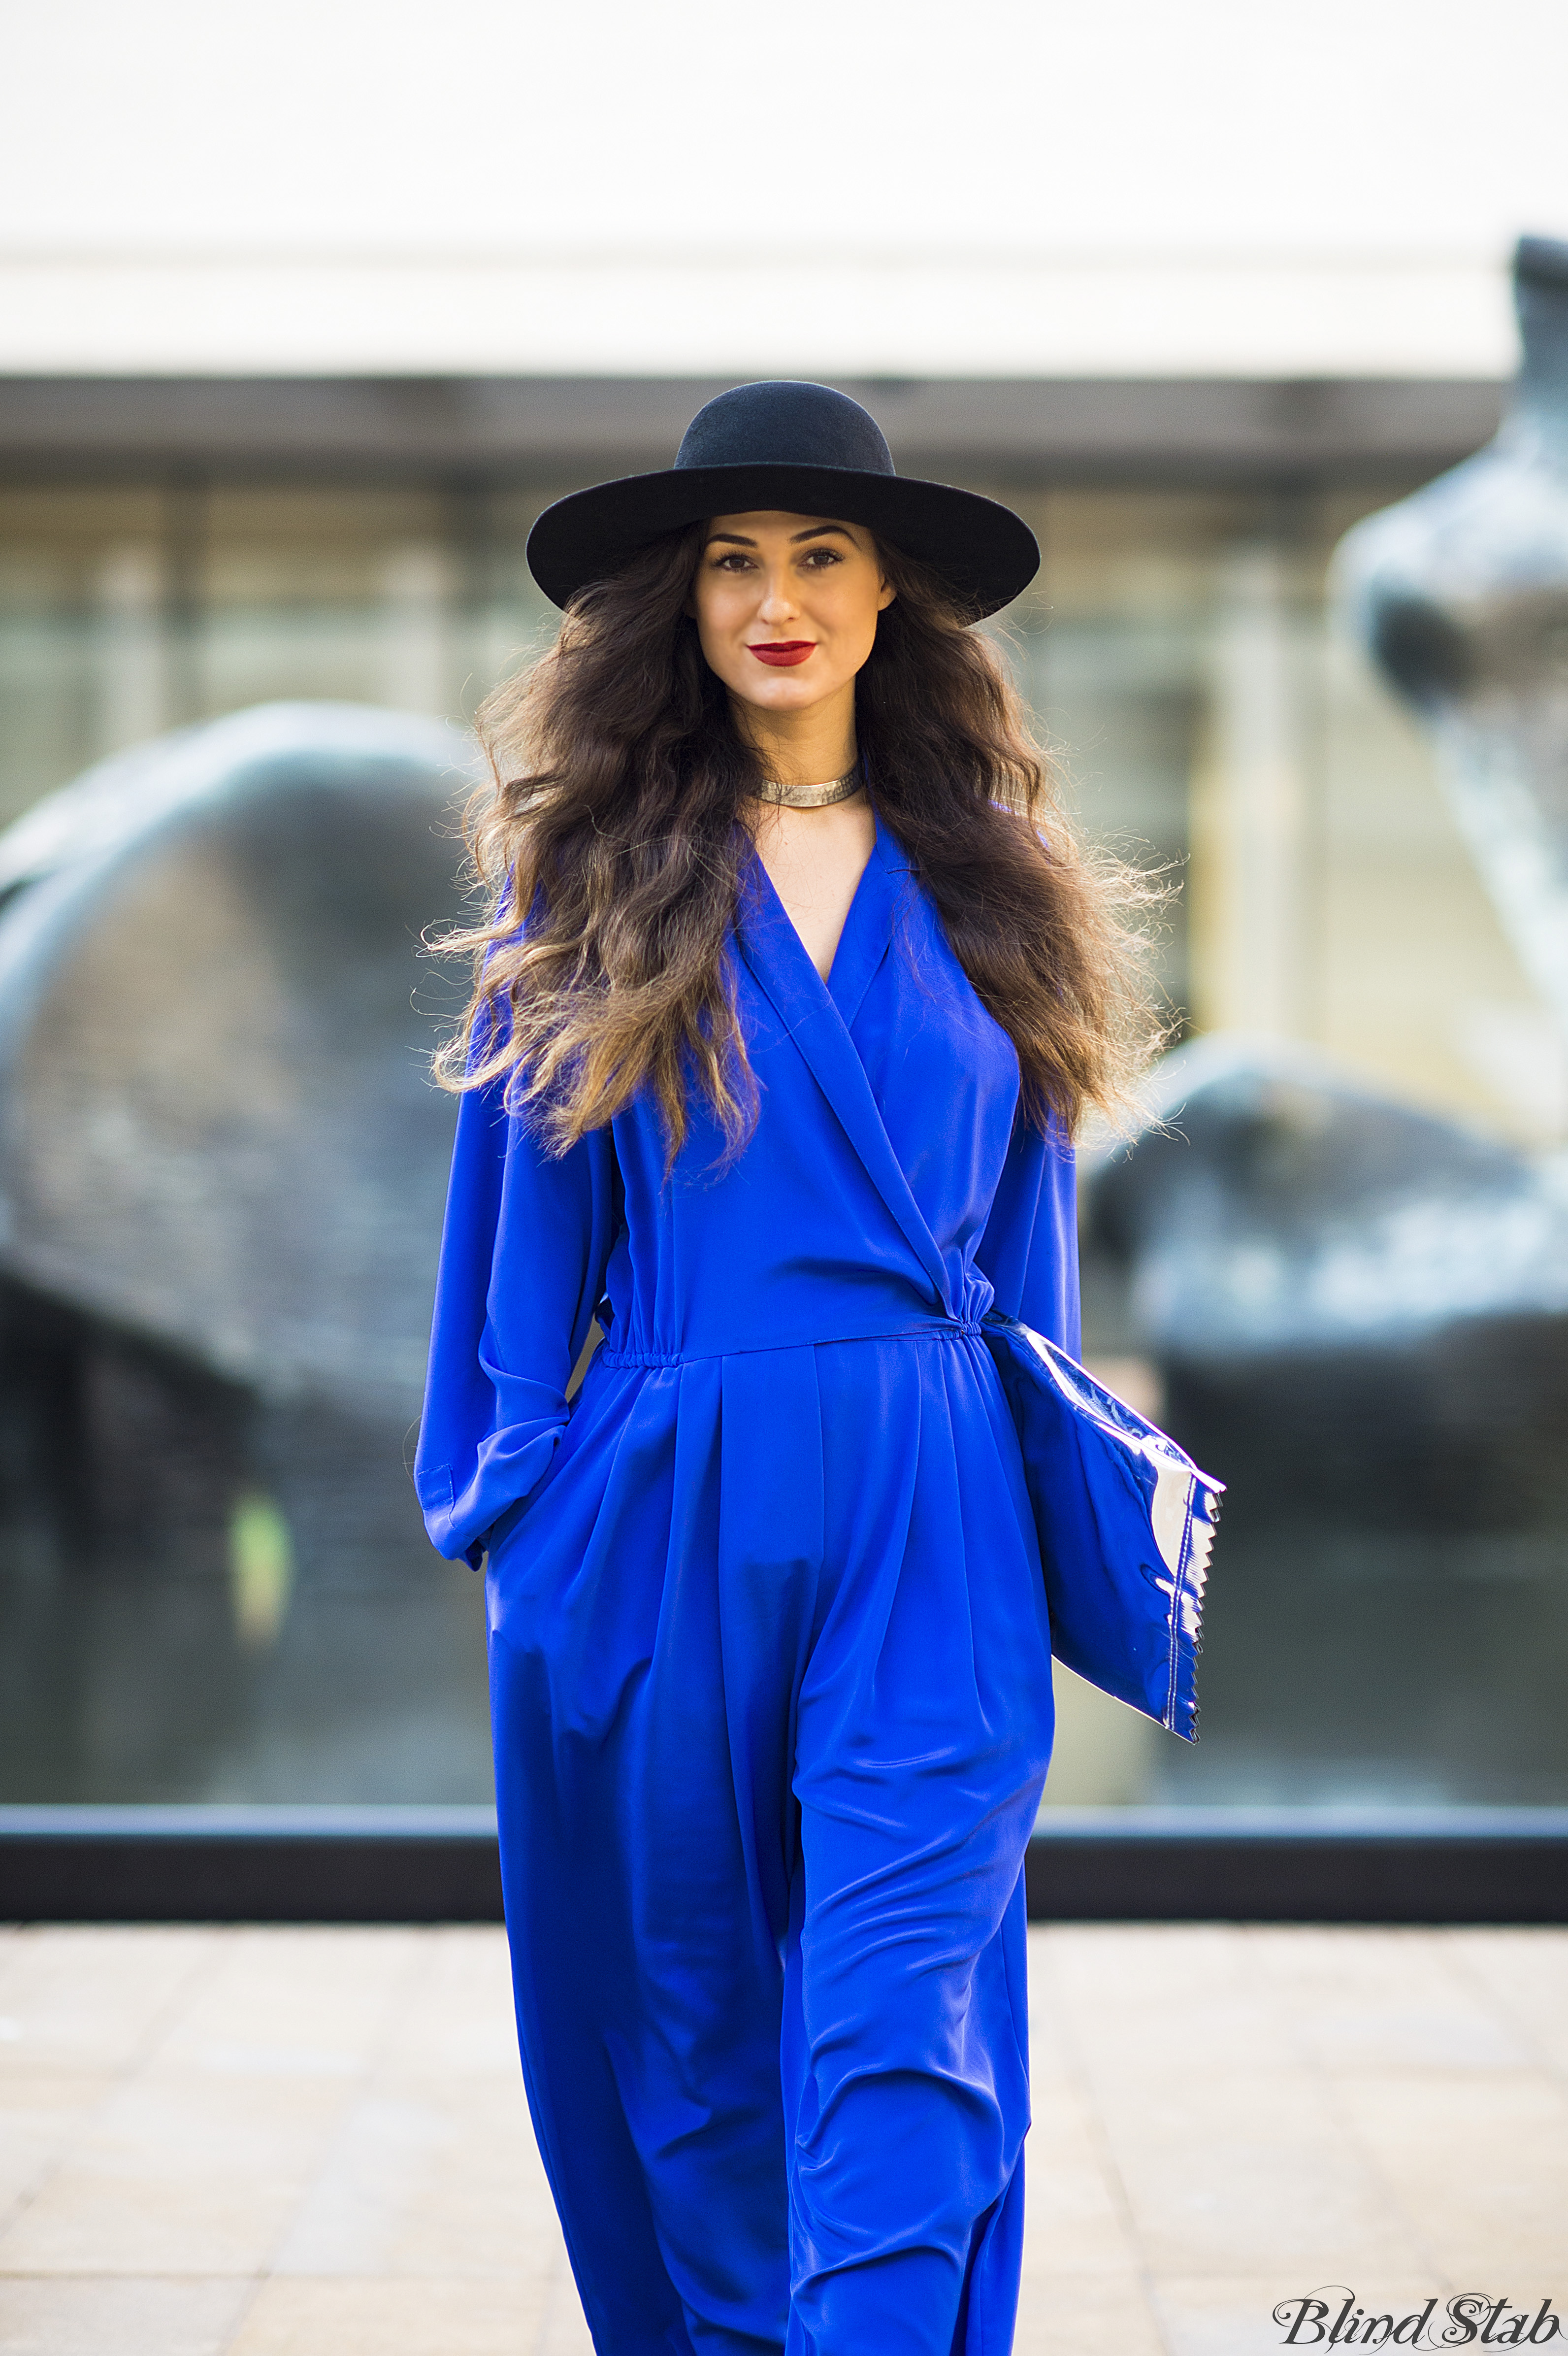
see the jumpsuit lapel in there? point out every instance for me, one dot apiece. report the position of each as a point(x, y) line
point(818, 1017)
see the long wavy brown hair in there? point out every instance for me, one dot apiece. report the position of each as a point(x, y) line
point(615, 822)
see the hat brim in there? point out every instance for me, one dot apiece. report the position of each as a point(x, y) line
point(984, 553)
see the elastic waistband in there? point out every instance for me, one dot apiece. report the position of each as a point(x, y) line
point(923, 1330)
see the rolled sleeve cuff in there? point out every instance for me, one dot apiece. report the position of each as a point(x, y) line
point(461, 1505)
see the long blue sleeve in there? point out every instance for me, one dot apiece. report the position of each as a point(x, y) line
point(522, 1269)
point(1029, 1248)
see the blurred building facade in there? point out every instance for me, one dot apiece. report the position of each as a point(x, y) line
point(291, 350)
point(300, 330)
point(1176, 652)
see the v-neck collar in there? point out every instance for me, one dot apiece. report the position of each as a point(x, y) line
point(867, 930)
point(818, 1016)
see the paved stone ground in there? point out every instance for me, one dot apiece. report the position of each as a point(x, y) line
point(314, 2143)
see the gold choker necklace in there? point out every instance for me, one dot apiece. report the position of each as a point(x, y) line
point(812, 797)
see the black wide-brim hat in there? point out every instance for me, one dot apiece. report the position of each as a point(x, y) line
point(805, 450)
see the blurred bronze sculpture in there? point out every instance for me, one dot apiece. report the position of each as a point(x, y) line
point(1461, 595)
point(1359, 1311)
point(222, 1171)
point(1369, 1298)
point(215, 1127)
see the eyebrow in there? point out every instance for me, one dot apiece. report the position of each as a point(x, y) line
point(742, 540)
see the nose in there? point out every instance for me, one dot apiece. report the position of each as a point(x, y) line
point(778, 601)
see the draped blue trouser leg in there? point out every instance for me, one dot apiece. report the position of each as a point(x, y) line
point(772, 1717)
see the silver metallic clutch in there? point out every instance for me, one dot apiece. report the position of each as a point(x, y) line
point(1126, 1524)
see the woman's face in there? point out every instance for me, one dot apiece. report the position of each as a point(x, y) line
point(786, 606)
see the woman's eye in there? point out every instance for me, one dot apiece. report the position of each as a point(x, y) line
point(821, 558)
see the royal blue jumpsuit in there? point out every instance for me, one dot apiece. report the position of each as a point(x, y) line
point(769, 1665)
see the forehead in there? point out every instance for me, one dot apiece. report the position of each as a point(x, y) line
point(763, 524)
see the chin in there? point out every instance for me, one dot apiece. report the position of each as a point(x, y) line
point(785, 691)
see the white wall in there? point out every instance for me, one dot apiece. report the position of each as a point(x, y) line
point(1007, 187)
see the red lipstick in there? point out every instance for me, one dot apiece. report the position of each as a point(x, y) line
point(780, 652)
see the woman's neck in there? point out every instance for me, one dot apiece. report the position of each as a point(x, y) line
point(801, 748)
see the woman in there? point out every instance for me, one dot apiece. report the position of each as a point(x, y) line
point(775, 1080)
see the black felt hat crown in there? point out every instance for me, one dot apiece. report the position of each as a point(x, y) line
point(804, 449)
